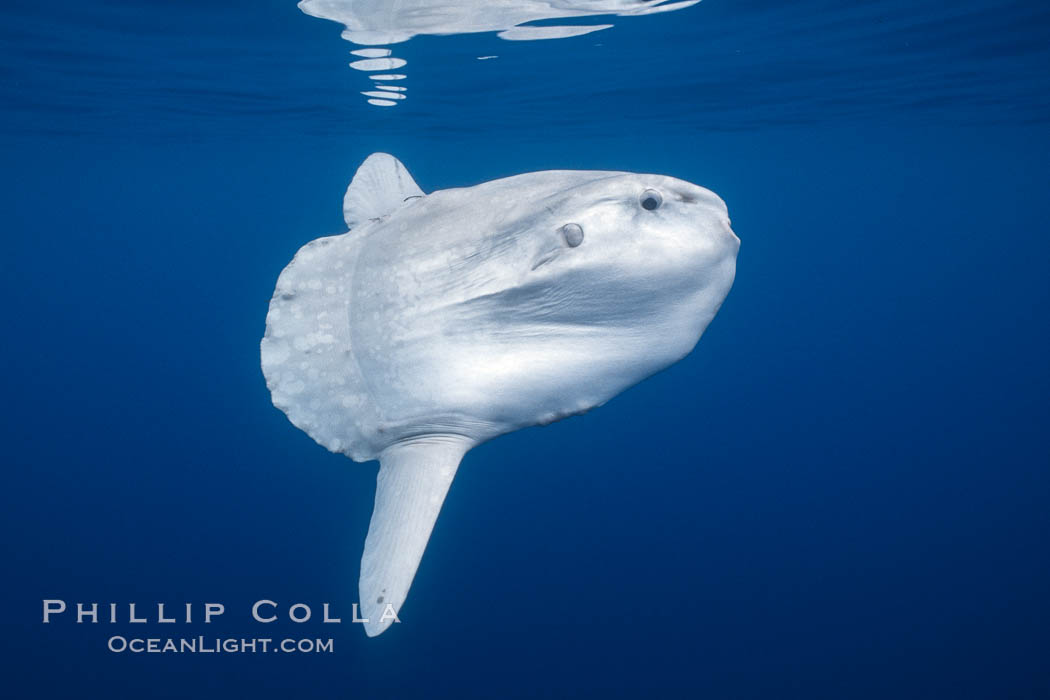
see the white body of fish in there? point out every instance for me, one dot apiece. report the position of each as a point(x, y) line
point(441, 321)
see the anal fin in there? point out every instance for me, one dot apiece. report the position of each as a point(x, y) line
point(410, 489)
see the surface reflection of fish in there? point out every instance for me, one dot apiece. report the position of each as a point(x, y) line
point(382, 22)
point(371, 22)
point(444, 320)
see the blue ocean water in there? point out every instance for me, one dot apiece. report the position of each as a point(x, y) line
point(841, 493)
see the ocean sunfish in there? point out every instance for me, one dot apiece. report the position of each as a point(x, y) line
point(442, 320)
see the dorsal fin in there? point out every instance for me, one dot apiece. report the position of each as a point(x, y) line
point(380, 185)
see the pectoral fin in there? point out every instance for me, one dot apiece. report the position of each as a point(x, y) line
point(411, 486)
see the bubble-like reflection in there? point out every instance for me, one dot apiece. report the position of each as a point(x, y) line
point(371, 53)
point(380, 23)
point(383, 95)
point(370, 64)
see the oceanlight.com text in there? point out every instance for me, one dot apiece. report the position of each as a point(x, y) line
point(217, 645)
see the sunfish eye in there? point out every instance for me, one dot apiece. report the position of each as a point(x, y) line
point(573, 234)
point(651, 200)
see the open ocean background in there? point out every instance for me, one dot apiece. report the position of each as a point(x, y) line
point(842, 493)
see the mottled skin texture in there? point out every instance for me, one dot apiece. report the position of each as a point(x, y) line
point(468, 313)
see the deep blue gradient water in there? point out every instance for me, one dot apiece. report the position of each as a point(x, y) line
point(842, 492)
